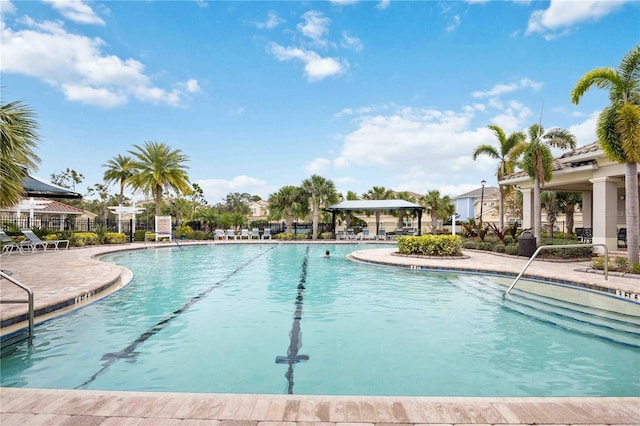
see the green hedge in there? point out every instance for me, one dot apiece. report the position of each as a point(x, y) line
point(431, 245)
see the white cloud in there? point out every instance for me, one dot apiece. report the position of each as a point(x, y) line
point(272, 21)
point(454, 24)
point(77, 66)
point(315, 67)
point(216, 189)
point(7, 7)
point(315, 26)
point(585, 132)
point(351, 42)
point(76, 11)
point(344, 2)
point(317, 165)
point(383, 4)
point(563, 14)
point(500, 89)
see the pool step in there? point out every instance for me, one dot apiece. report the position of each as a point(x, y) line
point(606, 324)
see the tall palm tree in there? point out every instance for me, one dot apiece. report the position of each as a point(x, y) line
point(18, 140)
point(378, 193)
point(619, 131)
point(439, 207)
point(321, 192)
point(550, 202)
point(509, 149)
point(403, 195)
point(538, 163)
point(119, 169)
point(288, 203)
point(158, 167)
point(351, 196)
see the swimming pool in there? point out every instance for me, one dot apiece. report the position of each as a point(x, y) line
point(265, 318)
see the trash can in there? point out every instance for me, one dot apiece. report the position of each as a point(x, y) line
point(526, 244)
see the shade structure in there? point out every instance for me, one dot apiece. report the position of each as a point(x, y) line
point(36, 187)
point(375, 205)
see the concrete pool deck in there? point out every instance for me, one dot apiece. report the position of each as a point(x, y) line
point(71, 277)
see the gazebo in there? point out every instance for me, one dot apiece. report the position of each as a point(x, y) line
point(374, 205)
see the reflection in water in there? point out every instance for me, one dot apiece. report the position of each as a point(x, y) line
point(295, 335)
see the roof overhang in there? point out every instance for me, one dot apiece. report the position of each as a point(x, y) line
point(372, 205)
point(36, 187)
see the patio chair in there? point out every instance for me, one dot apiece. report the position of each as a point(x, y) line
point(584, 235)
point(622, 237)
point(8, 245)
point(266, 234)
point(35, 241)
point(230, 233)
point(340, 235)
point(366, 235)
point(219, 235)
point(255, 233)
point(382, 234)
point(350, 234)
point(244, 233)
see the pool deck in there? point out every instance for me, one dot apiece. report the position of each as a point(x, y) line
point(74, 277)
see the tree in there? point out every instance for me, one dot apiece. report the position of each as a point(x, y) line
point(102, 192)
point(236, 202)
point(67, 179)
point(403, 195)
point(351, 196)
point(437, 206)
point(197, 199)
point(158, 166)
point(509, 149)
point(321, 193)
point(550, 203)
point(567, 202)
point(538, 163)
point(18, 140)
point(288, 203)
point(119, 169)
point(618, 131)
point(378, 193)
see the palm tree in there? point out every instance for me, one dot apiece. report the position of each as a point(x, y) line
point(158, 167)
point(509, 149)
point(403, 195)
point(377, 193)
point(321, 192)
point(538, 163)
point(567, 202)
point(288, 203)
point(18, 140)
point(119, 169)
point(619, 131)
point(351, 196)
point(550, 202)
point(439, 207)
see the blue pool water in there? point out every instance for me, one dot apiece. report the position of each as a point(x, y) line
point(265, 318)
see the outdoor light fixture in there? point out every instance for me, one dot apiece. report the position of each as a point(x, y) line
point(482, 197)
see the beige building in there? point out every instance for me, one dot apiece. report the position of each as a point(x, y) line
point(601, 181)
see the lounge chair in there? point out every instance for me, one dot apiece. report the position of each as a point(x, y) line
point(230, 234)
point(255, 233)
point(350, 234)
point(340, 235)
point(366, 235)
point(266, 234)
point(35, 241)
point(244, 233)
point(219, 235)
point(382, 234)
point(8, 245)
point(584, 235)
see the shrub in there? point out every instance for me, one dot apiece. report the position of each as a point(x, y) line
point(431, 245)
point(511, 249)
point(618, 264)
point(81, 239)
point(199, 235)
point(286, 236)
point(115, 238)
point(326, 236)
point(101, 232)
point(139, 235)
point(184, 230)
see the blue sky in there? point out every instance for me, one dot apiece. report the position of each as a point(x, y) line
point(264, 94)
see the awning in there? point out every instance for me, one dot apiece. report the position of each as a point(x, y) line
point(362, 205)
point(36, 187)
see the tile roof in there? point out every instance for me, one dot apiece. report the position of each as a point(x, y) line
point(52, 207)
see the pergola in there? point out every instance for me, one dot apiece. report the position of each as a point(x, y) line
point(374, 205)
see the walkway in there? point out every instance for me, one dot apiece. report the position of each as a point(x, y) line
point(73, 276)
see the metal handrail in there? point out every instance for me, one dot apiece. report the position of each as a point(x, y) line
point(29, 301)
point(606, 260)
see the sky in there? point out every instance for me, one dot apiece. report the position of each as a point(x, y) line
point(263, 94)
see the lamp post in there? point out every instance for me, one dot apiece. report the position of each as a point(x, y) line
point(482, 198)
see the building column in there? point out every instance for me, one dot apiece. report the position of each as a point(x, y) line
point(605, 199)
point(587, 209)
point(527, 208)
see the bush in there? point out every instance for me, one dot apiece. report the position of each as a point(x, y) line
point(115, 238)
point(139, 235)
point(431, 245)
point(199, 235)
point(183, 230)
point(81, 239)
point(617, 264)
point(326, 236)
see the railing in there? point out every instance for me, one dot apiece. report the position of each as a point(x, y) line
point(606, 260)
point(29, 301)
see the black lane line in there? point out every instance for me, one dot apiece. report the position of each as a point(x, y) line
point(129, 352)
point(295, 335)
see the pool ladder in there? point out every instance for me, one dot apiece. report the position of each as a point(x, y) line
point(29, 300)
point(606, 260)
